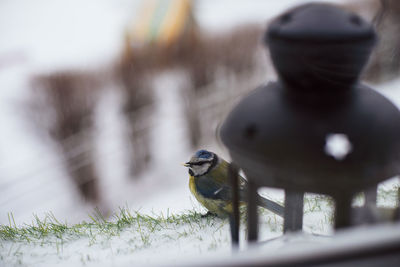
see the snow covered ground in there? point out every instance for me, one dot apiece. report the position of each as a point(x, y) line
point(48, 35)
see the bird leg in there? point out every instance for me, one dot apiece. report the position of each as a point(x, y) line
point(208, 214)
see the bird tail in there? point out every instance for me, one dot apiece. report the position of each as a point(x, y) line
point(271, 205)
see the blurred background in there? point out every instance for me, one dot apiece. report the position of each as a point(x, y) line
point(102, 100)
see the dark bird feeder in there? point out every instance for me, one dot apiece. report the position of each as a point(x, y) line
point(283, 134)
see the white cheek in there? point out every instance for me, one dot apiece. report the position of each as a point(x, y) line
point(201, 169)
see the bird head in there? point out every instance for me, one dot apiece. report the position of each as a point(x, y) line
point(201, 162)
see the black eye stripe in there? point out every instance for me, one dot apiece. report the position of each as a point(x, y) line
point(200, 163)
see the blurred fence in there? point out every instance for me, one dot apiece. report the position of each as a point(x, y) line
point(64, 103)
point(67, 101)
point(385, 61)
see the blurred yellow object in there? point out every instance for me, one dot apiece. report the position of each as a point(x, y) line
point(160, 21)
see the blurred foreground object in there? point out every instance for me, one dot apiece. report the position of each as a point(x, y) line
point(316, 129)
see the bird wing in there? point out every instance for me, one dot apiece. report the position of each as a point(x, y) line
point(210, 188)
point(221, 175)
point(220, 172)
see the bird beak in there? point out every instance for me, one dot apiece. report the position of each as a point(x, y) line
point(187, 164)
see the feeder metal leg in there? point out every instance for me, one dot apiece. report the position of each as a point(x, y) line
point(397, 214)
point(234, 218)
point(343, 211)
point(293, 215)
point(252, 214)
point(371, 196)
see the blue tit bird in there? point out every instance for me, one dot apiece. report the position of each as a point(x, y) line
point(210, 185)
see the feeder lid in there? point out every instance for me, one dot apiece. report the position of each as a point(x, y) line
point(320, 23)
